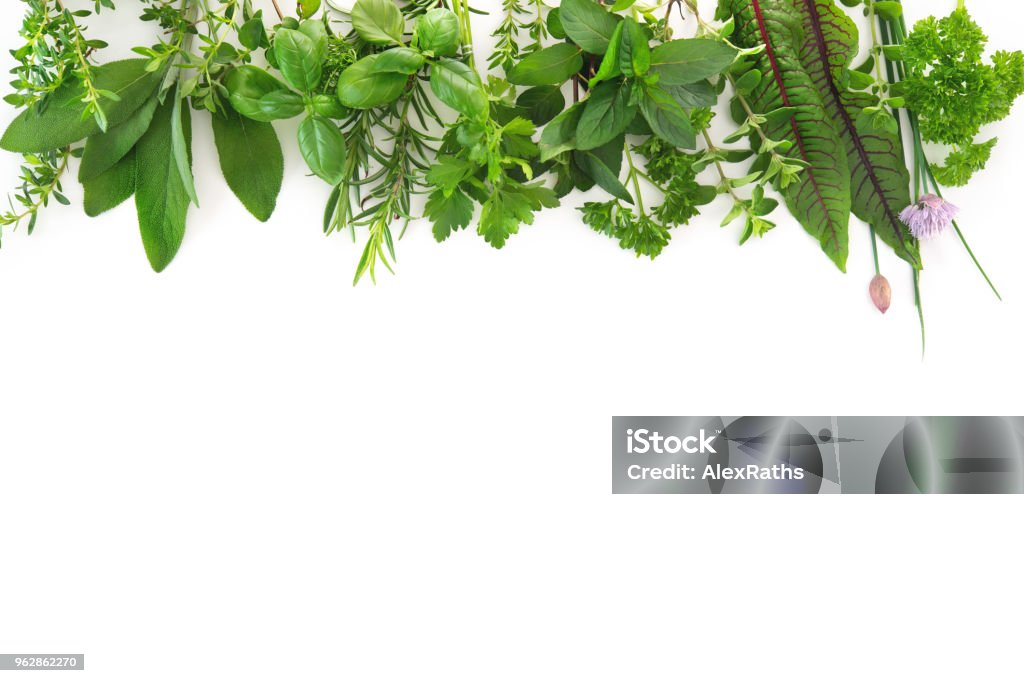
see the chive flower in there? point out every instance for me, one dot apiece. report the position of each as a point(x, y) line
point(929, 216)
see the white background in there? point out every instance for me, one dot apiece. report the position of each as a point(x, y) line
point(246, 469)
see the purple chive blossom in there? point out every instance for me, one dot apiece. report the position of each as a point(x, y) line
point(929, 216)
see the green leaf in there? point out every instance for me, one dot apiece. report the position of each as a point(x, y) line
point(603, 165)
point(252, 33)
point(588, 25)
point(247, 85)
point(542, 103)
point(323, 147)
point(378, 22)
point(560, 135)
point(879, 179)
point(666, 118)
point(607, 113)
point(692, 95)
point(181, 149)
point(111, 188)
point(300, 58)
point(160, 197)
point(63, 121)
point(458, 85)
point(359, 87)
point(635, 52)
point(550, 66)
point(448, 172)
point(819, 198)
point(400, 60)
point(437, 33)
point(328, 106)
point(280, 104)
point(104, 150)
point(610, 67)
point(448, 212)
point(679, 62)
point(509, 207)
point(251, 161)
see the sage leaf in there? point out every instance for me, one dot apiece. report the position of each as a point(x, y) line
point(181, 149)
point(61, 123)
point(360, 87)
point(458, 85)
point(588, 25)
point(323, 147)
point(251, 161)
point(607, 113)
point(104, 150)
point(378, 22)
point(111, 188)
point(160, 197)
point(550, 66)
point(679, 62)
point(300, 59)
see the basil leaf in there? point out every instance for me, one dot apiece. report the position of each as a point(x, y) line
point(280, 104)
point(111, 188)
point(542, 103)
point(635, 53)
point(378, 22)
point(560, 135)
point(588, 25)
point(679, 62)
point(458, 85)
point(329, 107)
point(104, 150)
point(437, 33)
point(551, 66)
point(300, 59)
point(251, 161)
point(247, 85)
point(610, 68)
point(607, 113)
point(401, 60)
point(62, 122)
point(323, 147)
point(160, 197)
point(359, 87)
point(667, 119)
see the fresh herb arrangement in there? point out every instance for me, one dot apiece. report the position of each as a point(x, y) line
point(400, 120)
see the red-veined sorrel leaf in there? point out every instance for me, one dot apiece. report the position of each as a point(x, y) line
point(820, 199)
point(879, 180)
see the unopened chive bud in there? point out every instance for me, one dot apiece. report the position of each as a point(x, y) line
point(881, 293)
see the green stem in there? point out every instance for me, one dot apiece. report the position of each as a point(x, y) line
point(920, 309)
point(636, 180)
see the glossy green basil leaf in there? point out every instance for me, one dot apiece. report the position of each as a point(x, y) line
point(300, 58)
point(247, 85)
point(281, 104)
point(550, 66)
point(667, 119)
point(679, 62)
point(588, 24)
point(458, 85)
point(607, 114)
point(323, 147)
point(400, 60)
point(378, 22)
point(329, 107)
point(360, 87)
point(437, 33)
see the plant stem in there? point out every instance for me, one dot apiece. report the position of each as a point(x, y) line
point(633, 175)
